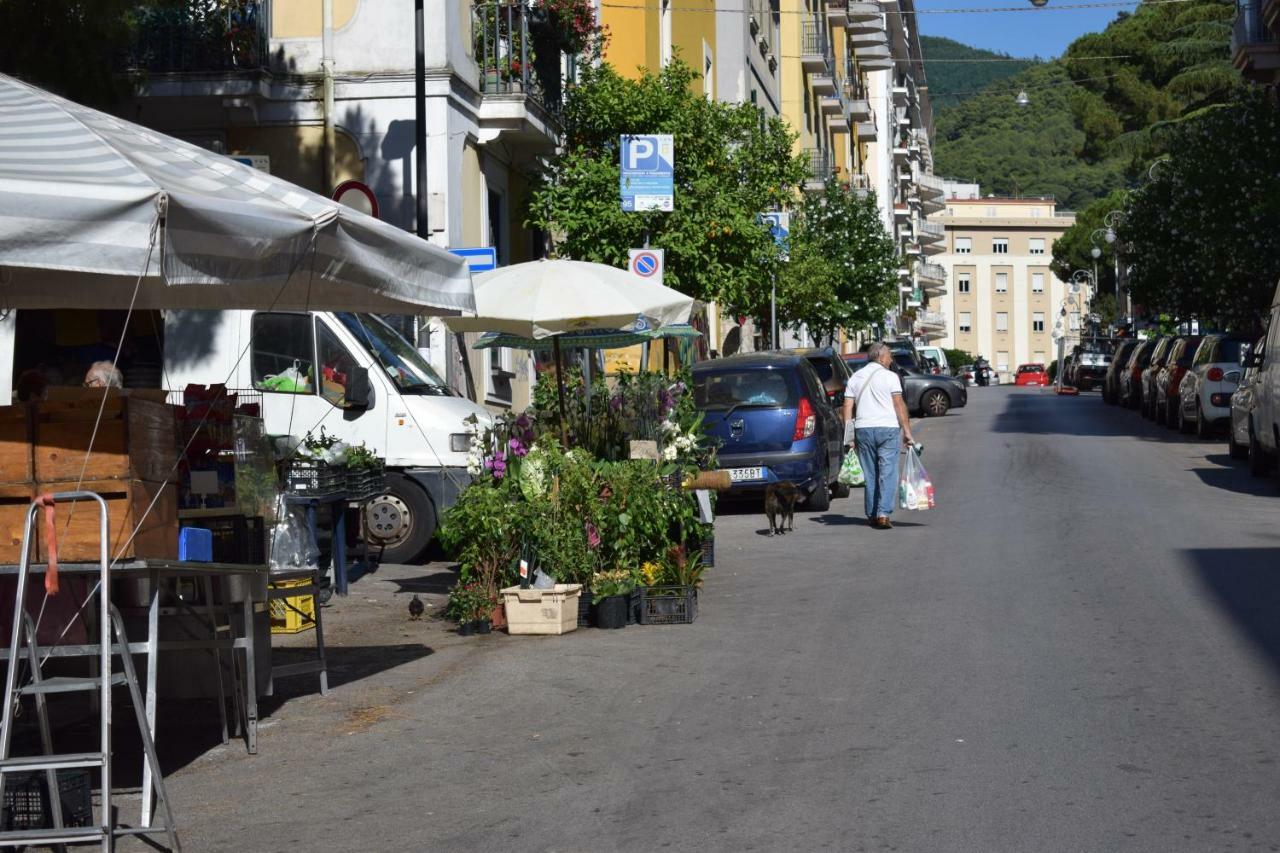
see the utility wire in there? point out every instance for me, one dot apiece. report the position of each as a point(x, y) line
point(1068, 7)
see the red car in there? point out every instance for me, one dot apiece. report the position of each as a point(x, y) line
point(1031, 374)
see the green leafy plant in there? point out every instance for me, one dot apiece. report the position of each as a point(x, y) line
point(362, 458)
point(470, 601)
point(610, 583)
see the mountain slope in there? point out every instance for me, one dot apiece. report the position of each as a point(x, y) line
point(951, 82)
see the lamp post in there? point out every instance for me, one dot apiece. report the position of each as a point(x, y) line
point(1061, 327)
point(1111, 220)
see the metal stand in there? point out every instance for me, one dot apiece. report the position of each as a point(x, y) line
point(109, 625)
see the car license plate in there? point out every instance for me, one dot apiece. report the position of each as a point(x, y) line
point(741, 475)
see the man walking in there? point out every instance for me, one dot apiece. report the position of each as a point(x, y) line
point(874, 408)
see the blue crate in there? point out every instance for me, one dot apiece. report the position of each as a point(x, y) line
point(195, 544)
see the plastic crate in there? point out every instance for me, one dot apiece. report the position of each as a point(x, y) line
point(292, 614)
point(542, 611)
point(668, 605)
point(365, 483)
point(27, 805)
point(310, 478)
point(708, 548)
point(237, 539)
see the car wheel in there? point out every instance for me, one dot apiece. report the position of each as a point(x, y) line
point(1184, 425)
point(1258, 462)
point(401, 521)
point(1234, 450)
point(935, 403)
point(1204, 429)
point(820, 498)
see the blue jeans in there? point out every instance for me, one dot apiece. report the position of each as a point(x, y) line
point(878, 449)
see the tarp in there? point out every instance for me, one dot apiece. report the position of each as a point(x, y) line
point(88, 202)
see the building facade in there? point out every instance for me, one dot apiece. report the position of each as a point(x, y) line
point(1004, 300)
point(1255, 40)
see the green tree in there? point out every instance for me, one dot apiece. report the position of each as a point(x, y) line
point(843, 270)
point(730, 164)
point(1073, 250)
point(1203, 237)
point(970, 70)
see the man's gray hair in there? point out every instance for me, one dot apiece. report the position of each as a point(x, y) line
point(876, 350)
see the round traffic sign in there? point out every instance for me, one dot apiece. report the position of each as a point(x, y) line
point(645, 264)
point(357, 195)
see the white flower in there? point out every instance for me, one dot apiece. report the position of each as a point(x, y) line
point(669, 453)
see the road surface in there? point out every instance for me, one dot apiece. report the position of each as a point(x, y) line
point(1077, 650)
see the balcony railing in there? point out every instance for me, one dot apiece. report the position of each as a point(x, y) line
point(821, 167)
point(931, 229)
point(931, 272)
point(814, 46)
point(1249, 28)
point(931, 318)
point(191, 38)
point(517, 53)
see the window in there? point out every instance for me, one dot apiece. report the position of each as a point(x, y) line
point(335, 367)
point(1000, 246)
point(965, 323)
point(1037, 321)
point(1002, 282)
point(964, 245)
point(992, 213)
point(1036, 246)
point(1075, 321)
point(1037, 282)
point(1002, 321)
point(283, 353)
point(962, 282)
point(1002, 362)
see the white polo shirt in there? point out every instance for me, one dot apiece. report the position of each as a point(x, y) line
point(871, 389)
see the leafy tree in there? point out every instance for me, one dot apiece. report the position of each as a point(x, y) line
point(1073, 250)
point(958, 357)
point(1203, 237)
point(843, 270)
point(952, 82)
point(730, 165)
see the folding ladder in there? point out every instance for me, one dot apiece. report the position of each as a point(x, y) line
point(111, 642)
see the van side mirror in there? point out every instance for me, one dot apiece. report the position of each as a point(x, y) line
point(359, 393)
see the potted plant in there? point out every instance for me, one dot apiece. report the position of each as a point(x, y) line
point(611, 595)
point(673, 599)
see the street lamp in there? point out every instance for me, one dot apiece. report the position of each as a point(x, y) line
point(1111, 220)
point(1022, 100)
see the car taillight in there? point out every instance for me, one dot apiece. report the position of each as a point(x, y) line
point(1220, 400)
point(806, 420)
point(1214, 374)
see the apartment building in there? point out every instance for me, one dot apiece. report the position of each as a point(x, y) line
point(1004, 300)
point(1255, 40)
point(321, 103)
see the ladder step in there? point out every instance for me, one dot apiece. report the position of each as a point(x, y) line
point(69, 684)
point(46, 837)
point(51, 762)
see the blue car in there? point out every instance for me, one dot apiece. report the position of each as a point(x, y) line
point(770, 416)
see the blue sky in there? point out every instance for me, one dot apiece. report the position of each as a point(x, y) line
point(1044, 33)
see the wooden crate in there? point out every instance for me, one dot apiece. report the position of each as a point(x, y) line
point(127, 503)
point(14, 500)
point(135, 441)
point(15, 444)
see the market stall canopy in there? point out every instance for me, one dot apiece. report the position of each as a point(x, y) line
point(89, 202)
point(540, 299)
point(593, 339)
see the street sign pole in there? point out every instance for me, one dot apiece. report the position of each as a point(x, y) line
point(773, 311)
point(779, 222)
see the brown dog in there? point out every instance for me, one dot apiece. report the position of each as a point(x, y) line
point(780, 507)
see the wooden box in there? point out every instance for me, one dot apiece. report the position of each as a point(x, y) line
point(135, 441)
point(127, 504)
point(15, 498)
point(15, 444)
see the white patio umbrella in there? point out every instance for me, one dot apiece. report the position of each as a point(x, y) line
point(92, 207)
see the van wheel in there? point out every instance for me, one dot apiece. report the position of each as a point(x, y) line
point(935, 403)
point(401, 521)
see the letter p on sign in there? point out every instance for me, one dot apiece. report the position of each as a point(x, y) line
point(640, 150)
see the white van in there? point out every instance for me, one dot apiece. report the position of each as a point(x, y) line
point(938, 355)
point(371, 387)
point(1264, 423)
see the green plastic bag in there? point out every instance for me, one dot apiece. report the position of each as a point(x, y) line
point(851, 471)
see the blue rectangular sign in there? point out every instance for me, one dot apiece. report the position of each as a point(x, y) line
point(648, 172)
point(479, 260)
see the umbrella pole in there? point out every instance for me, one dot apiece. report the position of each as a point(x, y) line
point(564, 433)
point(586, 375)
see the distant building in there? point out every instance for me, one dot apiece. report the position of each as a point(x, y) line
point(1003, 299)
point(1255, 40)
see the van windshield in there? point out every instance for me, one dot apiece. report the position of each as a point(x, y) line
point(398, 359)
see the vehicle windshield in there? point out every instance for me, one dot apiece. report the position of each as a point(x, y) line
point(1188, 352)
point(905, 360)
point(1229, 350)
point(397, 357)
point(728, 389)
point(1031, 368)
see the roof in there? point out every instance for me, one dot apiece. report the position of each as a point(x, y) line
point(750, 359)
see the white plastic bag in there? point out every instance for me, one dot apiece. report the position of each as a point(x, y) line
point(293, 548)
point(915, 489)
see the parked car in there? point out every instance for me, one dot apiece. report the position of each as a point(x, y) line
point(1131, 380)
point(831, 370)
point(1031, 374)
point(938, 356)
point(1204, 398)
point(926, 394)
point(1089, 367)
point(770, 415)
point(1243, 402)
point(1168, 381)
point(965, 374)
point(1264, 423)
point(1158, 355)
point(1115, 371)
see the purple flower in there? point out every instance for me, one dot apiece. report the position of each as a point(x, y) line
point(615, 402)
point(518, 449)
point(524, 424)
point(593, 535)
point(666, 402)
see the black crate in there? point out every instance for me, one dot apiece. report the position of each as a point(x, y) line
point(310, 478)
point(365, 483)
point(668, 605)
point(708, 548)
point(27, 805)
point(236, 538)
point(584, 608)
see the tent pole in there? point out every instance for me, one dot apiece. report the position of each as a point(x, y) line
point(564, 432)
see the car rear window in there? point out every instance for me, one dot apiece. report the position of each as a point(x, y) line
point(823, 367)
point(1188, 352)
point(1031, 368)
point(723, 389)
point(855, 365)
point(1229, 350)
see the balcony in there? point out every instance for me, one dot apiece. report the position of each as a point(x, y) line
point(931, 232)
point(901, 213)
point(837, 12)
point(1254, 49)
point(178, 40)
point(860, 16)
point(824, 83)
point(900, 153)
point(860, 184)
point(931, 274)
point(866, 131)
point(901, 95)
point(858, 109)
point(838, 123)
point(815, 49)
point(872, 57)
point(932, 324)
point(523, 90)
point(821, 168)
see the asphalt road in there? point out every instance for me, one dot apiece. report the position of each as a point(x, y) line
point(1077, 650)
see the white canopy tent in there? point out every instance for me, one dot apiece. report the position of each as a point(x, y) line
point(89, 203)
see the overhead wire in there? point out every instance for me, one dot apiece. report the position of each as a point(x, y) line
point(982, 10)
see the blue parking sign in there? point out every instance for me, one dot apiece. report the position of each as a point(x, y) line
point(648, 172)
